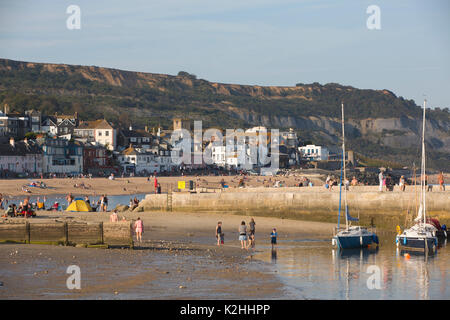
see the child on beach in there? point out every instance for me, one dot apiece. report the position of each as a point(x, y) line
point(273, 237)
point(243, 235)
point(139, 228)
point(219, 234)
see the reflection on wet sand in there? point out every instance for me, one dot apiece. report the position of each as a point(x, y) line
point(313, 270)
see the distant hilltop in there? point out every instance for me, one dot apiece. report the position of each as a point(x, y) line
point(379, 124)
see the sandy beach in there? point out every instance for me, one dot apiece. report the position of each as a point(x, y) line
point(178, 259)
point(132, 185)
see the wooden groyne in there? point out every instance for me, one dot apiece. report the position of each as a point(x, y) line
point(68, 233)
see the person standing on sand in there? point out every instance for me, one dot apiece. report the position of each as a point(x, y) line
point(327, 182)
point(219, 233)
point(69, 198)
point(100, 203)
point(381, 179)
point(156, 185)
point(139, 229)
point(441, 181)
point(103, 203)
point(251, 236)
point(243, 235)
point(273, 237)
point(401, 183)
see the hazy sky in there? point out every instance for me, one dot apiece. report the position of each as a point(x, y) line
point(265, 42)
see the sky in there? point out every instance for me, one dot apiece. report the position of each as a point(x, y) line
point(256, 42)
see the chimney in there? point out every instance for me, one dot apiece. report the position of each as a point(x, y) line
point(11, 142)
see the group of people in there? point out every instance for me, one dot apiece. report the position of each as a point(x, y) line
point(330, 182)
point(246, 235)
point(101, 204)
point(386, 182)
point(134, 203)
point(25, 209)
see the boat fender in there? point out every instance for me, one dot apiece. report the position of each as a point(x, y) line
point(333, 242)
point(360, 241)
point(405, 241)
point(375, 238)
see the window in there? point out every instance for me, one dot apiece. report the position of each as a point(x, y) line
point(107, 133)
point(99, 133)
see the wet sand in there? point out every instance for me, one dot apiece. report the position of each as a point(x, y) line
point(178, 250)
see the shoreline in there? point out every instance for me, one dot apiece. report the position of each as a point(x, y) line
point(178, 250)
point(140, 185)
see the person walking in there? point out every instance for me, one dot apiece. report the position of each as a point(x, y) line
point(243, 235)
point(139, 229)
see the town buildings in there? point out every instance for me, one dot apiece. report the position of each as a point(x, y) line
point(98, 131)
point(61, 156)
point(69, 145)
point(314, 153)
point(20, 157)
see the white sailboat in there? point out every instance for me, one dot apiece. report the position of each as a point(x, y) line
point(352, 236)
point(422, 235)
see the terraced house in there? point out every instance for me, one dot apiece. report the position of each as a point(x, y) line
point(20, 157)
point(61, 156)
point(100, 132)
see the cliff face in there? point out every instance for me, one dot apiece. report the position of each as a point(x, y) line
point(378, 123)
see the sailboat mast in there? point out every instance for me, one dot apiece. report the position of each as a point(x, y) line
point(343, 165)
point(423, 163)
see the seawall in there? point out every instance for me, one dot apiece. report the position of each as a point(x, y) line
point(384, 209)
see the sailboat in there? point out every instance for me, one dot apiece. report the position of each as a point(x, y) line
point(352, 237)
point(422, 235)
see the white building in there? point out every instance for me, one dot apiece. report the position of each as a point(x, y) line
point(314, 153)
point(98, 131)
point(62, 156)
point(21, 157)
point(140, 161)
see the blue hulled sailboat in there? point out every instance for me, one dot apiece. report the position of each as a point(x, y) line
point(350, 237)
